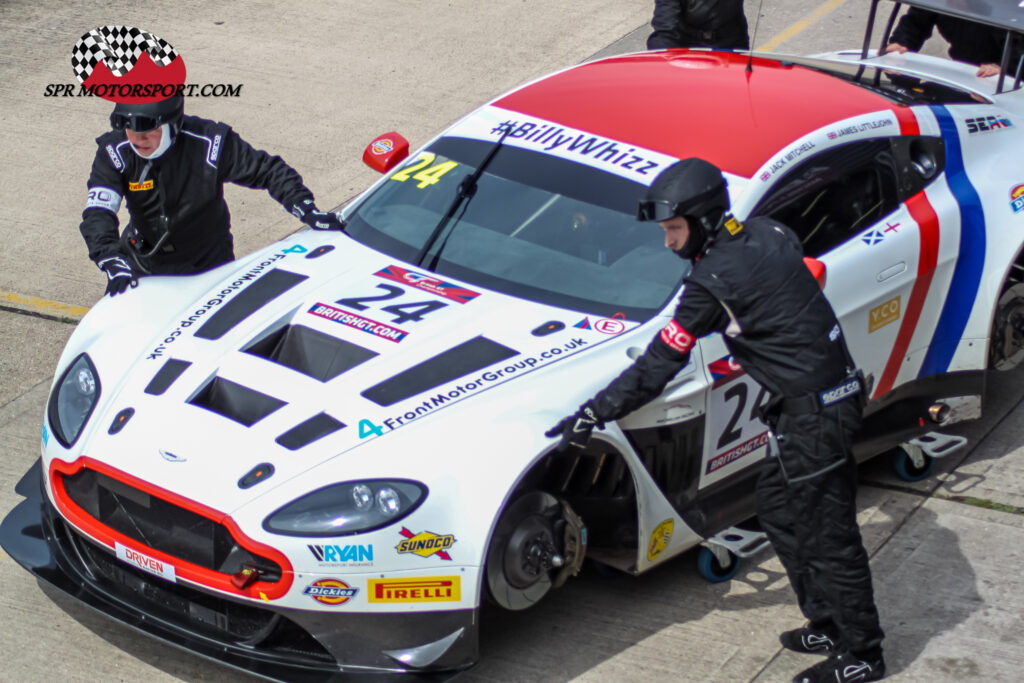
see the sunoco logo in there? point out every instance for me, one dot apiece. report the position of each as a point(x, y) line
point(425, 544)
point(330, 591)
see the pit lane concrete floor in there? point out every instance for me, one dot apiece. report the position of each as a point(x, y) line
point(319, 82)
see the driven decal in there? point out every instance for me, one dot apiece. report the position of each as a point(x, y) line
point(358, 322)
point(676, 337)
point(425, 544)
point(1017, 199)
point(145, 562)
point(343, 555)
point(970, 260)
point(422, 589)
point(660, 538)
point(330, 591)
point(428, 283)
point(883, 314)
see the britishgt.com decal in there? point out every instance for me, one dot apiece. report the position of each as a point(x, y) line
point(428, 283)
point(425, 544)
point(343, 555)
point(458, 391)
point(737, 452)
point(421, 589)
point(330, 591)
point(358, 322)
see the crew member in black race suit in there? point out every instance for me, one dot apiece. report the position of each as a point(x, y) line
point(749, 282)
point(171, 169)
point(699, 23)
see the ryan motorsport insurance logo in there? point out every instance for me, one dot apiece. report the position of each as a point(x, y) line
point(133, 66)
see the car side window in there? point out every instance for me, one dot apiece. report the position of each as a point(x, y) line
point(836, 194)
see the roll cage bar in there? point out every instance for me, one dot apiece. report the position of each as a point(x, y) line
point(1000, 14)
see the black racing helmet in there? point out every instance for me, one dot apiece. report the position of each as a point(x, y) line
point(692, 187)
point(144, 117)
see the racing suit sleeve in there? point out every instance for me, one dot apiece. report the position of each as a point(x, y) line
point(244, 165)
point(99, 219)
point(697, 314)
point(668, 14)
point(914, 28)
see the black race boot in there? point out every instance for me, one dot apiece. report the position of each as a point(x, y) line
point(844, 668)
point(808, 641)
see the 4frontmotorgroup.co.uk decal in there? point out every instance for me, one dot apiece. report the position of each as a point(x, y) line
point(458, 391)
point(222, 296)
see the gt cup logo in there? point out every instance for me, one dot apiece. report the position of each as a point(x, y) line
point(330, 591)
point(425, 544)
point(1017, 199)
point(127, 64)
point(981, 124)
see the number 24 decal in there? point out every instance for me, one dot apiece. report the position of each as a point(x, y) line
point(739, 391)
point(410, 312)
point(425, 176)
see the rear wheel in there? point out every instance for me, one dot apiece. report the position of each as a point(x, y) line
point(1006, 350)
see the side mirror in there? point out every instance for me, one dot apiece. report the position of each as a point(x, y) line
point(386, 152)
point(817, 269)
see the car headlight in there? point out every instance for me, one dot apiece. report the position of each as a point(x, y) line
point(73, 400)
point(348, 508)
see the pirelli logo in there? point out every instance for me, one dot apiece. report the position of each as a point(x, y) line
point(420, 589)
point(136, 187)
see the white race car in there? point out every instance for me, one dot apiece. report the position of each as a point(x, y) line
point(325, 456)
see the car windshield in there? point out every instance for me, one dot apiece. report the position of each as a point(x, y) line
point(536, 227)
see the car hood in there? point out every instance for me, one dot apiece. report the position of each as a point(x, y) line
point(308, 350)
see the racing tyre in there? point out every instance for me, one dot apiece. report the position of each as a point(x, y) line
point(712, 570)
point(905, 468)
point(526, 550)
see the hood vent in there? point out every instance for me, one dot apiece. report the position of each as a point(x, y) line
point(314, 428)
point(248, 301)
point(312, 353)
point(475, 354)
point(166, 375)
point(235, 402)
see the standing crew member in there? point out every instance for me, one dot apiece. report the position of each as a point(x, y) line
point(749, 281)
point(699, 23)
point(171, 169)
point(969, 41)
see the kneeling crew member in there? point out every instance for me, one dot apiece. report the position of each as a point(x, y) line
point(749, 282)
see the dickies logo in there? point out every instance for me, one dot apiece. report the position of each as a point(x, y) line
point(138, 187)
point(127, 64)
point(1017, 199)
point(425, 544)
point(330, 591)
point(420, 589)
point(883, 314)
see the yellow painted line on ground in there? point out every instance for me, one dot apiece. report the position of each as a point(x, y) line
point(33, 304)
point(780, 38)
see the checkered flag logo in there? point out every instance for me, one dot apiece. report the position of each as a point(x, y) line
point(119, 48)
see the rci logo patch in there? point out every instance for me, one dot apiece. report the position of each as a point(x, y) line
point(425, 544)
point(1017, 199)
point(136, 187)
point(660, 538)
point(330, 591)
point(883, 314)
point(422, 589)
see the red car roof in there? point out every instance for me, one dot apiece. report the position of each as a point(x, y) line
point(696, 103)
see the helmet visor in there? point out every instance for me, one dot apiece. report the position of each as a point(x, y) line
point(656, 210)
point(140, 123)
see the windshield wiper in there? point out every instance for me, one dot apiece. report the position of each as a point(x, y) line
point(466, 189)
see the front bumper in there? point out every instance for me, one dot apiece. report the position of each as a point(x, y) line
point(276, 643)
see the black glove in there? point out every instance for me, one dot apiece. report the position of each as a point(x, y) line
point(307, 212)
point(575, 430)
point(119, 274)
